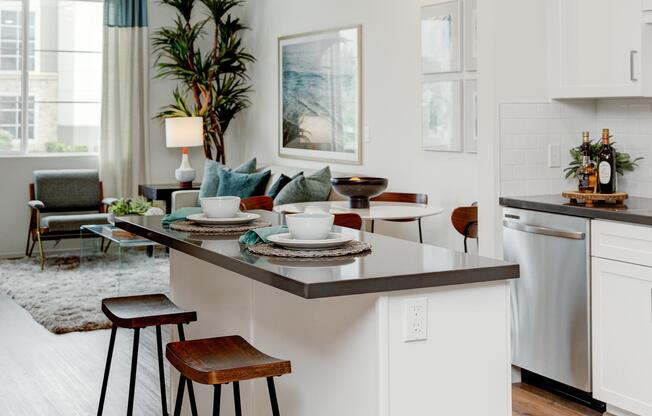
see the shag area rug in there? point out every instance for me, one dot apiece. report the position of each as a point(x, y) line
point(67, 298)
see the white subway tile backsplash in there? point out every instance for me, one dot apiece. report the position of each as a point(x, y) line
point(527, 129)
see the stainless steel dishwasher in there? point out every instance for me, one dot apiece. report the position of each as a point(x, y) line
point(551, 310)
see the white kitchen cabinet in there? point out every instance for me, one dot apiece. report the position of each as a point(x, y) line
point(622, 335)
point(597, 48)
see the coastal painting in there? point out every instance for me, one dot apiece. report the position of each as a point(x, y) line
point(319, 94)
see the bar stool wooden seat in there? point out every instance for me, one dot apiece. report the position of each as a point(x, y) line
point(222, 360)
point(137, 312)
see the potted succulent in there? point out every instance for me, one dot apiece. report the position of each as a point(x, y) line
point(624, 162)
point(128, 206)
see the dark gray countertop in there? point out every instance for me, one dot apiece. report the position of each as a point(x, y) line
point(393, 264)
point(635, 210)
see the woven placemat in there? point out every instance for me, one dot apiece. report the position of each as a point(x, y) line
point(354, 247)
point(191, 227)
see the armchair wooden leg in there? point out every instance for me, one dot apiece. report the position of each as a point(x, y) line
point(41, 253)
point(29, 238)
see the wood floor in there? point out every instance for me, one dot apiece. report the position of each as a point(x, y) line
point(61, 375)
point(531, 401)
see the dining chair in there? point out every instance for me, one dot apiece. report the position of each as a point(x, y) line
point(402, 197)
point(348, 220)
point(265, 203)
point(465, 221)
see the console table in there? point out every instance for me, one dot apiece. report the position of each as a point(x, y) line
point(163, 192)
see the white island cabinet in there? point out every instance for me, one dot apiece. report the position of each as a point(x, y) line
point(598, 49)
point(622, 317)
point(406, 329)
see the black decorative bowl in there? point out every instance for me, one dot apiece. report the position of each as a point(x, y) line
point(359, 190)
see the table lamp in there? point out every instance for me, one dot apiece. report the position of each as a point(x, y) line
point(184, 132)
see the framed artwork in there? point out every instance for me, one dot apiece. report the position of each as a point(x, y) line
point(320, 104)
point(441, 116)
point(470, 116)
point(441, 38)
point(470, 35)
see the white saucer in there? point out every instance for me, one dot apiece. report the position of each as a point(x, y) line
point(240, 218)
point(333, 240)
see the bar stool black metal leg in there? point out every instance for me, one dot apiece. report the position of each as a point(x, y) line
point(236, 398)
point(217, 393)
point(134, 367)
point(420, 232)
point(272, 396)
point(179, 402)
point(191, 390)
point(161, 370)
point(107, 368)
point(373, 224)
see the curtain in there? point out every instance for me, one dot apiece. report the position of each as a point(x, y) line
point(124, 155)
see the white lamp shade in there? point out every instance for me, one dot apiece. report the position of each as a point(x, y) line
point(184, 131)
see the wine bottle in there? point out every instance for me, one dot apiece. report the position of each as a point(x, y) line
point(606, 166)
point(586, 173)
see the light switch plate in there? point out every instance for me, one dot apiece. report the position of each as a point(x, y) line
point(554, 156)
point(367, 134)
point(416, 319)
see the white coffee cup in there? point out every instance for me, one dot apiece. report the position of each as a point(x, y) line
point(220, 206)
point(310, 226)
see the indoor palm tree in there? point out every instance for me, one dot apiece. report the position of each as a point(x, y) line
point(213, 83)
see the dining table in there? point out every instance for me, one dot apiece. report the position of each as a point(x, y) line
point(378, 210)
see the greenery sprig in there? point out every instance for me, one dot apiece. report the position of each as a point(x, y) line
point(123, 206)
point(624, 162)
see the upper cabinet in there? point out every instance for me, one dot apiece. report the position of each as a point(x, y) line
point(597, 48)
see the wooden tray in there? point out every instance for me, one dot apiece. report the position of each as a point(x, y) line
point(591, 199)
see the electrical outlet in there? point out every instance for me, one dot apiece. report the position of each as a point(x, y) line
point(416, 319)
point(554, 156)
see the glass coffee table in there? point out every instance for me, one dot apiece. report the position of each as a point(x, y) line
point(103, 242)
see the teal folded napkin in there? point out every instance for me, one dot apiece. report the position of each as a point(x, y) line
point(261, 235)
point(180, 215)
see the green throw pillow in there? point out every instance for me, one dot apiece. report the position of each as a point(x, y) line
point(210, 182)
point(244, 185)
point(316, 187)
point(280, 184)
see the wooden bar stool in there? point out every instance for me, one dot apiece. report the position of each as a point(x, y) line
point(223, 360)
point(136, 312)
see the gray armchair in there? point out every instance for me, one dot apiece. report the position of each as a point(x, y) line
point(61, 201)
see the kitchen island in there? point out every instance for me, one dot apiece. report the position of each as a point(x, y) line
point(407, 329)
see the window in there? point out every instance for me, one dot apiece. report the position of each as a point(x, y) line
point(60, 43)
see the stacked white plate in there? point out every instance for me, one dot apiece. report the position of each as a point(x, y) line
point(332, 241)
point(240, 218)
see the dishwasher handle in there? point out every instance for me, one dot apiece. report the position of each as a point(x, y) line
point(535, 229)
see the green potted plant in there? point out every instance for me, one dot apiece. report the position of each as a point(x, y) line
point(624, 162)
point(213, 81)
point(128, 206)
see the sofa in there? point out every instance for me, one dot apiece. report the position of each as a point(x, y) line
point(183, 199)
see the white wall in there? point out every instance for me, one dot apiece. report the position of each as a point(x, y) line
point(512, 66)
point(391, 102)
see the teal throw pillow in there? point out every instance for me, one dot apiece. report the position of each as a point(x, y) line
point(244, 185)
point(210, 181)
point(316, 187)
point(280, 184)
